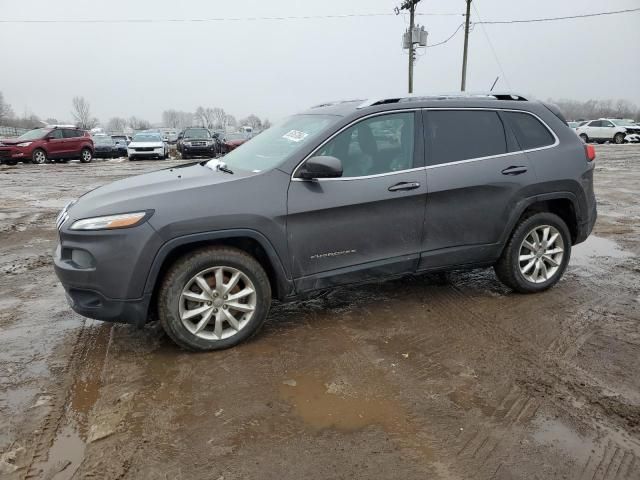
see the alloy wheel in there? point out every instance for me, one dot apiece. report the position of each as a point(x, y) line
point(86, 156)
point(217, 303)
point(541, 254)
point(39, 157)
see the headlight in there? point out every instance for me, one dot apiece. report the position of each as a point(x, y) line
point(24, 144)
point(108, 222)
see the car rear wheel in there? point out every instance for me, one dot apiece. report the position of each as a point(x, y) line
point(39, 157)
point(618, 138)
point(584, 137)
point(213, 298)
point(86, 156)
point(536, 255)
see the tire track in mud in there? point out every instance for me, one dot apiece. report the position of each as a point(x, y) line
point(613, 463)
point(59, 398)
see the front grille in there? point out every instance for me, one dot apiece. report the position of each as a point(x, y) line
point(199, 144)
point(144, 149)
point(5, 153)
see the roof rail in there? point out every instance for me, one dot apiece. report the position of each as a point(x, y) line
point(445, 96)
point(336, 102)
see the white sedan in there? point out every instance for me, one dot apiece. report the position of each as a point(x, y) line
point(147, 145)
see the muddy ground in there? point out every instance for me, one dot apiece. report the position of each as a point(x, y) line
point(430, 377)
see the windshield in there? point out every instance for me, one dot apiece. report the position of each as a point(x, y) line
point(103, 140)
point(272, 146)
point(197, 133)
point(34, 134)
point(623, 123)
point(147, 137)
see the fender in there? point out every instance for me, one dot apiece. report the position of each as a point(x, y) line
point(283, 279)
point(525, 203)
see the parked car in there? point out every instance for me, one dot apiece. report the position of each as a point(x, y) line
point(231, 141)
point(104, 147)
point(198, 141)
point(147, 145)
point(319, 201)
point(121, 141)
point(44, 144)
point(606, 129)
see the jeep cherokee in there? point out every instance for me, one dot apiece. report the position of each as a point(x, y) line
point(345, 192)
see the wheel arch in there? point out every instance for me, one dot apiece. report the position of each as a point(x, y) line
point(563, 204)
point(246, 240)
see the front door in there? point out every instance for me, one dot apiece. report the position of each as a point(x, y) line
point(55, 144)
point(475, 176)
point(367, 223)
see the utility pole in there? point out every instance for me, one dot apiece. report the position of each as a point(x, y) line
point(411, 6)
point(463, 83)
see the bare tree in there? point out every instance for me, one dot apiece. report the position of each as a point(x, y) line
point(205, 117)
point(51, 121)
point(230, 120)
point(220, 117)
point(138, 124)
point(171, 118)
point(82, 113)
point(116, 124)
point(253, 121)
point(266, 124)
point(590, 109)
point(5, 109)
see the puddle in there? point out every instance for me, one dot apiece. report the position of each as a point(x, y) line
point(554, 433)
point(595, 247)
point(315, 403)
point(65, 455)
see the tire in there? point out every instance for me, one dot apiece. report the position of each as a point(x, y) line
point(86, 156)
point(619, 138)
point(11, 162)
point(39, 157)
point(185, 156)
point(510, 269)
point(584, 137)
point(217, 331)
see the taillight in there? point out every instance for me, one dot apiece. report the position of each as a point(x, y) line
point(590, 152)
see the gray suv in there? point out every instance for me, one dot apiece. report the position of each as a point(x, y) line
point(345, 192)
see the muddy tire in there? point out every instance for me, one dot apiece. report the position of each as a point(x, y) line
point(536, 255)
point(39, 157)
point(86, 155)
point(10, 162)
point(618, 138)
point(213, 298)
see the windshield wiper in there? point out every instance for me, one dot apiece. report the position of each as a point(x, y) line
point(219, 166)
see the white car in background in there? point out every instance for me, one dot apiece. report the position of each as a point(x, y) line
point(609, 130)
point(147, 145)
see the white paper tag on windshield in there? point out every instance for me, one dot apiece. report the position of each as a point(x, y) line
point(295, 135)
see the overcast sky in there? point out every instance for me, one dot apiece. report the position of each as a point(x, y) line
point(273, 68)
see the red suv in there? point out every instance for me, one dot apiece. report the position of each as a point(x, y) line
point(44, 144)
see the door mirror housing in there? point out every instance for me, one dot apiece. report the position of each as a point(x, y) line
point(323, 166)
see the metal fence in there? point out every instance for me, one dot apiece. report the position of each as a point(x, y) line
point(12, 131)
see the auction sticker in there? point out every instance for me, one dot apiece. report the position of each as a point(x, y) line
point(295, 135)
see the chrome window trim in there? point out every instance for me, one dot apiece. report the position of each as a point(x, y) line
point(428, 167)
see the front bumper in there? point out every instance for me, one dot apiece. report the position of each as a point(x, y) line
point(14, 153)
point(155, 153)
point(104, 272)
point(199, 150)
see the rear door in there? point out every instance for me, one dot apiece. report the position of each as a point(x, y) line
point(594, 129)
point(73, 141)
point(475, 177)
point(607, 130)
point(367, 223)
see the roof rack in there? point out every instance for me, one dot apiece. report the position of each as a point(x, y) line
point(445, 96)
point(336, 102)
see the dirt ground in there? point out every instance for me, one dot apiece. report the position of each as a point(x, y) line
point(430, 377)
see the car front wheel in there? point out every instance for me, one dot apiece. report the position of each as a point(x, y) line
point(536, 255)
point(213, 298)
point(39, 157)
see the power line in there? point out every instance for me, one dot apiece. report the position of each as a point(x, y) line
point(219, 19)
point(552, 19)
point(493, 50)
point(306, 17)
point(449, 38)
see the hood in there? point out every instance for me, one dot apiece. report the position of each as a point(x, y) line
point(155, 144)
point(151, 190)
point(235, 142)
point(13, 141)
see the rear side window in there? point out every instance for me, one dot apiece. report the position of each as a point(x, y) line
point(529, 131)
point(455, 135)
point(68, 133)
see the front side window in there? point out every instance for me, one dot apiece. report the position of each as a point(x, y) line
point(455, 135)
point(55, 134)
point(380, 144)
point(595, 123)
point(529, 131)
point(606, 123)
point(69, 133)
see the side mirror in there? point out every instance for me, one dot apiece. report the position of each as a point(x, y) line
point(321, 167)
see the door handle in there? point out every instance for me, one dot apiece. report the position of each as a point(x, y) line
point(514, 170)
point(404, 186)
